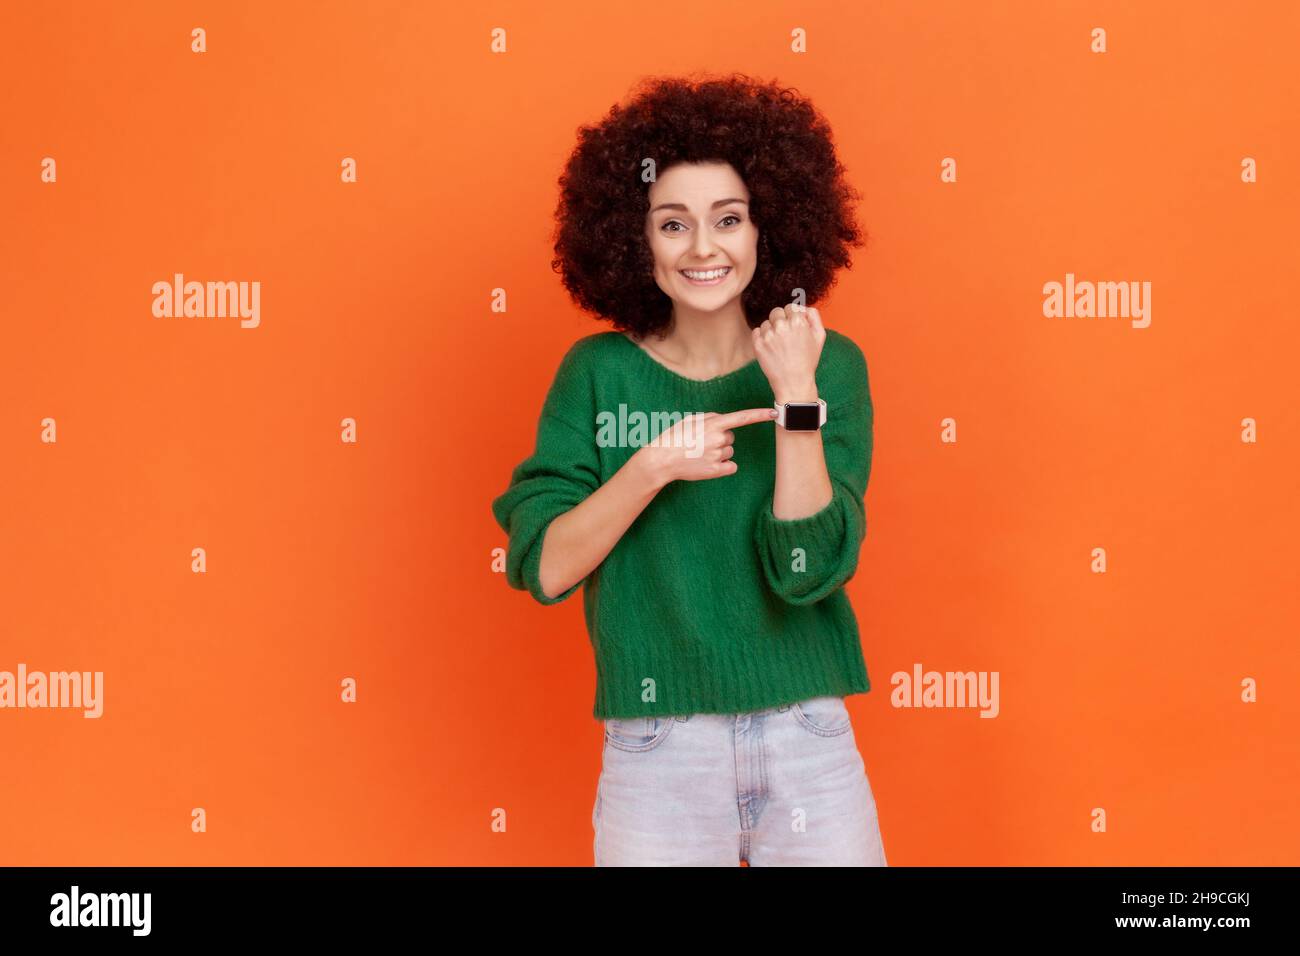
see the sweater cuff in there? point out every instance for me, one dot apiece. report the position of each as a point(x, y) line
point(818, 569)
point(530, 570)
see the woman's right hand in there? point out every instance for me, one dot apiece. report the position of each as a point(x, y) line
point(699, 446)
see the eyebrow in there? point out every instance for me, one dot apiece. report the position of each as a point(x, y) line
point(677, 205)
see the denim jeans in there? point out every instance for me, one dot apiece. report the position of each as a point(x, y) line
point(784, 786)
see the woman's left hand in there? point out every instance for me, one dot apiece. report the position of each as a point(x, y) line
point(788, 347)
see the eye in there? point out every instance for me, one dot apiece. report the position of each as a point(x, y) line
point(730, 215)
point(669, 223)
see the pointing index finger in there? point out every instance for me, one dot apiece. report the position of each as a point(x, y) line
point(745, 416)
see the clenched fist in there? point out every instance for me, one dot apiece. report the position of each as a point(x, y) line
point(789, 346)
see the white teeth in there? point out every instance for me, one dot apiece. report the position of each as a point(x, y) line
point(705, 276)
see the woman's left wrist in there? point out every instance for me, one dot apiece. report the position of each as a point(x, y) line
point(803, 391)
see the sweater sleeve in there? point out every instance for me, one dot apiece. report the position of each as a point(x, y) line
point(561, 472)
point(831, 538)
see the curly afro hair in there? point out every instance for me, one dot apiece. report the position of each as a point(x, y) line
point(775, 140)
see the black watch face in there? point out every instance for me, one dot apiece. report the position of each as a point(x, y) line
point(803, 418)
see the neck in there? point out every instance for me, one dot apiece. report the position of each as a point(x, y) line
point(707, 343)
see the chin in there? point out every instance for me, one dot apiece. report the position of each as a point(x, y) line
point(709, 305)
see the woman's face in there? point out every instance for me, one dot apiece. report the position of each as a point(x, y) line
point(699, 223)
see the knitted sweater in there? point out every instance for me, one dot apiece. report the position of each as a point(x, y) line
point(708, 603)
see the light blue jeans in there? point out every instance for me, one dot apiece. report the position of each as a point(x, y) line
point(784, 786)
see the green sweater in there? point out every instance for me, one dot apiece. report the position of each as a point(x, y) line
point(704, 605)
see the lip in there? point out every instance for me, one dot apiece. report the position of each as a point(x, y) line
point(718, 281)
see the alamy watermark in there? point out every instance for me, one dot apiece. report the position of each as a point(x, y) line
point(624, 429)
point(67, 689)
point(76, 908)
point(208, 300)
point(922, 688)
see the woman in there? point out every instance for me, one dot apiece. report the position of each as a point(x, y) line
point(701, 469)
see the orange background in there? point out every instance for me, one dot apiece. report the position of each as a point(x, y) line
point(373, 560)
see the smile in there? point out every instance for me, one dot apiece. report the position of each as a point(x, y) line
point(705, 276)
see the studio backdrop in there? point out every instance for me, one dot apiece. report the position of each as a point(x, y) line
point(279, 318)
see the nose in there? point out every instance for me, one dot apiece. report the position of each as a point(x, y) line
point(703, 246)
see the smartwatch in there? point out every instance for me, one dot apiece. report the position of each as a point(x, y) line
point(801, 416)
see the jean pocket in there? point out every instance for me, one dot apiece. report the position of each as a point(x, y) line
point(823, 716)
point(638, 734)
